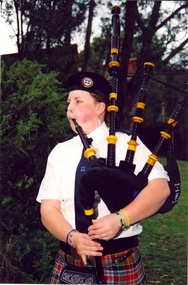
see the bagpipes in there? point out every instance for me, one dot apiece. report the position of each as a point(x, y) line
point(118, 185)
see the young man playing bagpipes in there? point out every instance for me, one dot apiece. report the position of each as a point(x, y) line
point(100, 184)
point(112, 234)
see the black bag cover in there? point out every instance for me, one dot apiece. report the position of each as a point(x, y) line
point(115, 186)
point(174, 183)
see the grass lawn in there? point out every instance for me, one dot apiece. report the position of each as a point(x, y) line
point(163, 242)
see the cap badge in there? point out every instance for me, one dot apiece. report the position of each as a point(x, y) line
point(87, 82)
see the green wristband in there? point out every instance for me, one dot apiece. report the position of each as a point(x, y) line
point(123, 224)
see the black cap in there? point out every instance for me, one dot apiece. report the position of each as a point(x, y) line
point(90, 82)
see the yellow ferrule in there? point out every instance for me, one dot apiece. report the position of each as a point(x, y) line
point(152, 159)
point(115, 6)
point(112, 108)
point(89, 152)
point(114, 51)
point(149, 63)
point(137, 119)
point(172, 122)
point(132, 145)
point(111, 139)
point(113, 95)
point(88, 212)
point(140, 105)
point(165, 135)
point(114, 63)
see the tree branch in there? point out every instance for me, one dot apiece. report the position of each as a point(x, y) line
point(175, 51)
point(171, 16)
point(92, 5)
point(155, 14)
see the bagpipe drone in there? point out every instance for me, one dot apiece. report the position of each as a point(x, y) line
point(118, 185)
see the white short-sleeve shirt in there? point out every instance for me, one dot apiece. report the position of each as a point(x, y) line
point(59, 179)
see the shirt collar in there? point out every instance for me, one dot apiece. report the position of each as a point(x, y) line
point(98, 133)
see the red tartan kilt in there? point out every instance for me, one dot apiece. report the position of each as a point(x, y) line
point(129, 272)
